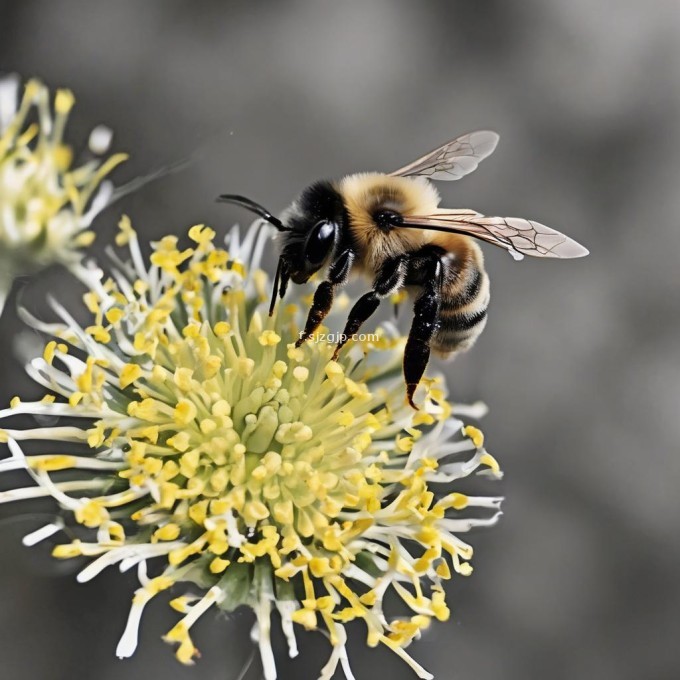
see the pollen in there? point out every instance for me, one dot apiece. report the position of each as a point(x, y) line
point(269, 338)
point(128, 374)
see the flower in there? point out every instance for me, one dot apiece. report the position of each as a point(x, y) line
point(270, 476)
point(46, 204)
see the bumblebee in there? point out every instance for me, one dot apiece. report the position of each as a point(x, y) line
point(390, 229)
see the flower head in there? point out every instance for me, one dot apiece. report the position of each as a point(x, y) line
point(270, 476)
point(46, 202)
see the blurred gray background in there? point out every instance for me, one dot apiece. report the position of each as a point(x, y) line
point(579, 362)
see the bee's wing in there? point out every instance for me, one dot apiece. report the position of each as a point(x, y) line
point(455, 159)
point(518, 236)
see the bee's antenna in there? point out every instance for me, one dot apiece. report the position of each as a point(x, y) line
point(275, 291)
point(249, 204)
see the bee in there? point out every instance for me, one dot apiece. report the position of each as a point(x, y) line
point(390, 229)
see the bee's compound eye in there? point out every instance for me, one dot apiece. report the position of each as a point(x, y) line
point(319, 242)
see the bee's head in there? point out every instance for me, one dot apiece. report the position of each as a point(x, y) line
point(315, 221)
point(311, 227)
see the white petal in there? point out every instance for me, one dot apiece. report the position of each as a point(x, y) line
point(261, 632)
point(146, 550)
point(286, 608)
point(128, 641)
point(42, 533)
point(477, 410)
point(100, 200)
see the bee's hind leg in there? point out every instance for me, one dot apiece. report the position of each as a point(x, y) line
point(424, 326)
point(323, 297)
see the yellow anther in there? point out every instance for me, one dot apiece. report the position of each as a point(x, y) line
point(222, 329)
point(422, 418)
point(184, 412)
point(283, 512)
point(443, 570)
point(192, 330)
point(183, 378)
point(67, 550)
point(180, 441)
point(488, 460)
point(286, 572)
point(245, 367)
point(457, 501)
point(91, 513)
point(269, 338)
point(238, 268)
point(334, 371)
point(126, 231)
point(128, 374)
point(168, 532)
point(295, 354)
point(255, 511)
point(464, 569)
point(301, 373)
point(75, 399)
point(221, 408)
point(218, 565)
point(91, 301)
point(320, 567)
point(207, 425)
point(85, 238)
point(114, 315)
point(64, 101)
point(219, 479)
point(95, 436)
point(201, 234)
point(188, 463)
point(404, 444)
point(48, 353)
point(51, 463)
point(369, 598)
point(168, 494)
point(305, 617)
point(181, 604)
point(198, 512)
point(279, 369)
point(474, 434)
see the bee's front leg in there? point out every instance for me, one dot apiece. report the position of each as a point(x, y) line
point(338, 273)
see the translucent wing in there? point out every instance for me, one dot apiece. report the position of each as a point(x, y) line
point(455, 159)
point(518, 236)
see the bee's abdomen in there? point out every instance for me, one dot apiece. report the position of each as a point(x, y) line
point(462, 314)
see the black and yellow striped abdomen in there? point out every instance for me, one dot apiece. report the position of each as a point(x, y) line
point(464, 300)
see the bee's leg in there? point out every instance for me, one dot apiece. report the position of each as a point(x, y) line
point(424, 326)
point(389, 279)
point(323, 297)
